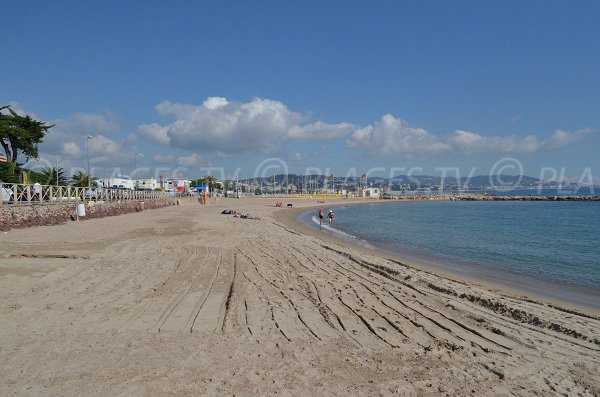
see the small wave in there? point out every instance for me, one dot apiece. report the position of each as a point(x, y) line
point(341, 233)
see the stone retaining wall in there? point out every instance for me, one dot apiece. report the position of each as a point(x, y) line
point(14, 217)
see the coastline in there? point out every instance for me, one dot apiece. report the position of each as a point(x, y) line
point(290, 219)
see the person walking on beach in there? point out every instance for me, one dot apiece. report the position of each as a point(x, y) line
point(321, 215)
point(331, 216)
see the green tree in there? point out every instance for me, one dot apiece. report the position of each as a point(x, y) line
point(20, 134)
point(49, 175)
point(211, 181)
point(200, 181)
point(80, 179)
point(8, 173)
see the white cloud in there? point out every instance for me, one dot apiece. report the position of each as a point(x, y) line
point(163, 159)
point(467, 141)
point(561, 138)
point(391, 135)
point(320, 130)
point(71, 149)
point(67, 140)
point(178, 110)
point(155, 133)
point(231, 127)
point(103, 145)
point(87, 124)
point(188, 161)
point(18, 109)
point(225, 126)
point(109, 153)
point(68, 136)
point(471, 142)
point(213, 103)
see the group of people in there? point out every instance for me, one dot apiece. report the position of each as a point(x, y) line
point(237, 214)
point(330, 216)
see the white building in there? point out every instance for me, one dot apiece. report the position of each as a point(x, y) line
point(122, 182)
point(371, 192)
point(178, 185)
point(147, 184)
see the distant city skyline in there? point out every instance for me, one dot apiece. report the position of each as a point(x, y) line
point(234, 88)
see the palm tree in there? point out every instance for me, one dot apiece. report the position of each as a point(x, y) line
point(50, 175)
point(80, 179)
point(211, 182)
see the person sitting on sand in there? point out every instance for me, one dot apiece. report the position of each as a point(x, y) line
point(321, 215)
point(246, 216)
point(331, 216)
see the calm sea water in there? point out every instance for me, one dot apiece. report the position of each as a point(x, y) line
point(551, 248)
point(573, 191)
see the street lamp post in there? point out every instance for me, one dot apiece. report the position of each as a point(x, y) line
point(87, 154)
point(135, 169)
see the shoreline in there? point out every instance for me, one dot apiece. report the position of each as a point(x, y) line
point(290, 219)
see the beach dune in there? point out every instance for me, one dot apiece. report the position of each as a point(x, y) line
point(186, 301)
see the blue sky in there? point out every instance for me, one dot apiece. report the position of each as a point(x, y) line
point(321, 85)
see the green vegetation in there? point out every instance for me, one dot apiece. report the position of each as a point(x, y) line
point(80, 179)
point(18, 135)
point(211, 181)
point(50, 175)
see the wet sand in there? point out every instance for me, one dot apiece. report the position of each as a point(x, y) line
point(186, 301)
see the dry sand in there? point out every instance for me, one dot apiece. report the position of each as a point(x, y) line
point(186, 301)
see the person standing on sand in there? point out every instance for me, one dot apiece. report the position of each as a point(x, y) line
point(321, 215)
point(37, 191)
point(331, 216)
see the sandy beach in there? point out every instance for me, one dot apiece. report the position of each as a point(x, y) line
point(186, 301)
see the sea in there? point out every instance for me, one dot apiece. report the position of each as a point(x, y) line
point(550, 248)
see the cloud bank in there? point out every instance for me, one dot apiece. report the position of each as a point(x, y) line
point(226, 127)
point(471, 142)
point(232, 127)
point(393, 136)
point(68, 137)
point(218, 128)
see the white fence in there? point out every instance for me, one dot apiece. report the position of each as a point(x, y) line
point(19, 194)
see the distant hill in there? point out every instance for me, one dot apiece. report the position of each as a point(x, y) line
point(396, 183)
